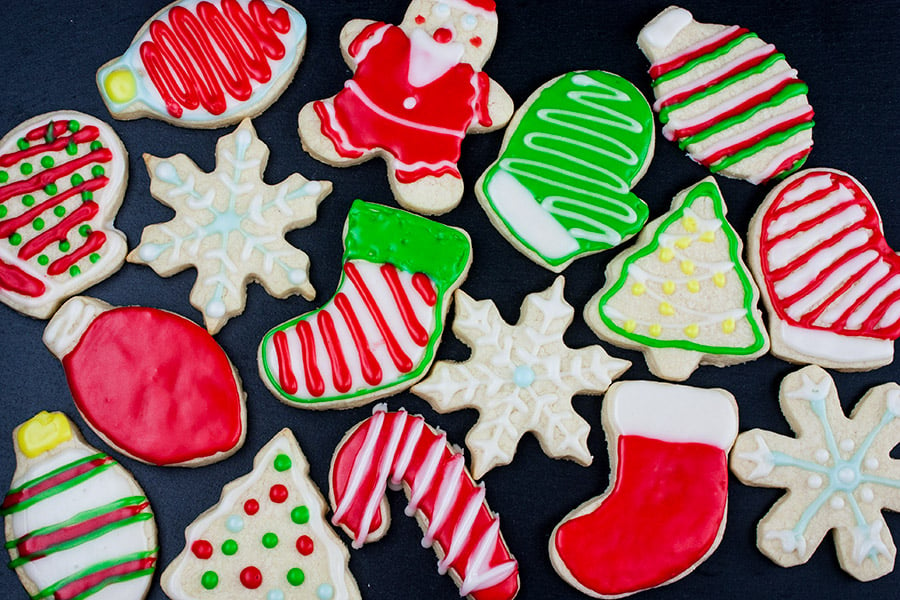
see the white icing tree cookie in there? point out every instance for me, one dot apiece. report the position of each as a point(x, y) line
point(520, 378)
point(230, 226)
point(838, 472)
point(266, 539)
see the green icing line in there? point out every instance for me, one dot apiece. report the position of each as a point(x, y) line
point(58, 488)
point(50, 590)
point(702, 189)
point(793, 169)
point(112, 580)
point(688, 66)
point(772, 140)
point(56, 472)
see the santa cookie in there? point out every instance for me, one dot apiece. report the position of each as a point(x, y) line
point(62, 178)
point(128, 375)
point(829, 279)
point(77, 523)
point(416, 91)
point(728, 98)
point(266, 539)
point(206, 64)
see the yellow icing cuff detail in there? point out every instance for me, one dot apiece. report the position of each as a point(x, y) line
point(638, 289)
point(45, 431)
point(683, 242)
point(692, 330)
point(120, 86)
point(708, 236)
point(693, 286)
point(666, 254)
point(728, 326)
point(669, 288)
point(655, 330)
point(666, 309)
point(689, 224)
point(719, 280)
point(629, 326)
point(687, 267)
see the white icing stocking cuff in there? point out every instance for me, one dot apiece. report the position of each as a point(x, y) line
point(673, 413)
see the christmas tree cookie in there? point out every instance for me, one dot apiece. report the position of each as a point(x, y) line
point(266, 539)
point(62, 179)
point(379, 333)
point(78, 526)
point(560, 188)
point(683, 295)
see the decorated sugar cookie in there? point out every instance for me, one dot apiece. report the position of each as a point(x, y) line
point(417, 90)
point(560, 188)
point(62, 178)
point(230, 226)
point(683, 295)
point(207, 63)
point(829, 279)
point(728, 98)
point(520, 378)
point(152, 384)
point(665, 509)
point(380, 331)
point(266, 539)
point(838, 473)
point(402, 451)
point(78, 526)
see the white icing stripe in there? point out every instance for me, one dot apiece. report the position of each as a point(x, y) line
point(835, 347)
point(702, 43)
point(776, 163)
point(478, 575)
point(461, 530)
point(412, 439)
point(335, 125)
point(876, 297)
point(810, 186)
point(384, 469)
point(863, 285)
point(807, 212)
point(446, 498)
point(787, 250)
point(830, 284)
point(354, 87)
point(370, 43)
point(426, 473)
point(360, 466)
point(748, 134)
point(805, 274)
point(891, 316)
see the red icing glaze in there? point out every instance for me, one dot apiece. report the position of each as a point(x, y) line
point(305, 545)
point(278, 493)
point(67, 475)
point(9, 226)
point(418, 333)
point(85, 135)
point(251, 507)
point(39, 181)
point(285, 373)
point(314, 382)
point(422, 283)
point(202, 549)
point(60, 231)
point(488, 5)
point(167, 410)
point(442, 35)
point(662, 516)
point(79, 586)
point(340, 372)
point(681, 60)
point(16, 280)
point(371, 370)
point(94, 242)
point(194, 60)
point(251, 578)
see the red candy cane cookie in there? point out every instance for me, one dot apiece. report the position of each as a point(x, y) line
point(400, 450)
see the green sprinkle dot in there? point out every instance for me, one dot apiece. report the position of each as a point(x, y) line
point(300, 515)
point(98, 171)
point(59, 211)
point(28, 200)
point(71, 149)
point(38, 224)
point(26, 169)
point(64, 246)
point(282, 462)
point(84, 230)
point(4, 176)
point(209, 580)
point(74, 271)
point(94, 258)
point(74, 126)
point(43, 260)
point(47, 162)
point(87, 195)
point(229, 547)
point(77, 179)
point(96, 145)
point(2, 211)
point(295, 577)
point(51, 189)
point(15, 239)
point(22, 144)
point(270, 540)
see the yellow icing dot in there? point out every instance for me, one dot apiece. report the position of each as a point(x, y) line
point(666, 309)
point(693, 286)
point(683, 242)
point(638, 289)
point(120, 86)
point(708, 236)
point(655, 330)
point(45, 431)
point(728, 326)
point(687, 267)
point(669, 288)
point(629, 326)
point(666, 254)
point(719, 280)
point(689, 224)
point(692, 330)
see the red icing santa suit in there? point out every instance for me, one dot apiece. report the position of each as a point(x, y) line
point(422, 126)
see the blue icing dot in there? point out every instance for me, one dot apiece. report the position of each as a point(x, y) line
point(234, 524)
point(523, 376)
point(325, 591)
point(275, 595)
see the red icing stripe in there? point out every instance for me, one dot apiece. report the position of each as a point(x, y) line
point(413, 326)
point(482, 106)
point(87, 134)
point(78, 587)
point(60, 231)
point(34, 490)
point(314, 382)
point(40, 132)
point(340, 372)
point(751, 141)
point(14, 279)
point(790, 162)
point(8, 227)
point(285, 373)
point(411, 176)
point(94, 242)
point(329, 130)
point(44, 178)
point(422, 283)
point(371, 370)
point(682, 59)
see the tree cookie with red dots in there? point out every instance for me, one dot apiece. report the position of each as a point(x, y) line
point(266, 539)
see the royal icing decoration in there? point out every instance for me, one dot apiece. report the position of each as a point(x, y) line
point(230, 226)
point(561, 186)
point(78, 525)
point(838, 472)
point(62, 179)
point(683, 295)
point(379, 333)
point(266, 539)
point(400, 450)
point(416, 91)
point(829, 278)
point(520, 378)
point(129, 377)
point(728, 98)
point(206, 63)
point(664, 511)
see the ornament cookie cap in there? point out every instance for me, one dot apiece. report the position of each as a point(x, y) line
point(43, 432)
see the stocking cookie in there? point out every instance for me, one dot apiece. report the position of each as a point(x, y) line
point(402, 451)
point(664, 512)
point(683, 295)
point(520, 378)
point(838, 473)
point(130, 380)
point(728, 98)
point(829, 279)
point(62, 179)
point(266, 539)
point(417, 90)
point(77, 523)
point(560, 188)
point(380, 331)
point(206, 63)
point(230, 226)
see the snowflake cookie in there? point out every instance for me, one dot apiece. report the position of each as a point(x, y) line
point(230, 225)
point(838, 472)
point(520, 378)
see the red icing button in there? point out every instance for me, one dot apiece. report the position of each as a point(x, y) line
point(305, 545)
point(420, 19)
point(251, 578)
point(278, 493)
point(476, 41)
point(443, 35)
point(202, 549)
point(251, 507)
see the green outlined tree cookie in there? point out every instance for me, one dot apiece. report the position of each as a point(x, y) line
point(683, 296)
point(561, 187)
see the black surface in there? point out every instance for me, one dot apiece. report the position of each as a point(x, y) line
point(848, 54)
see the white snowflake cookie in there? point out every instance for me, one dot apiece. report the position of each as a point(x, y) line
point(230, 226)
point(520, 378)
point(838, 472)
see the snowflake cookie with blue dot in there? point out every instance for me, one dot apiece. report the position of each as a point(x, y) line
point(838, 472)
point(230, 226)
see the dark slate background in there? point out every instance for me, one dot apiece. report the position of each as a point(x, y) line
point(848, 54)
